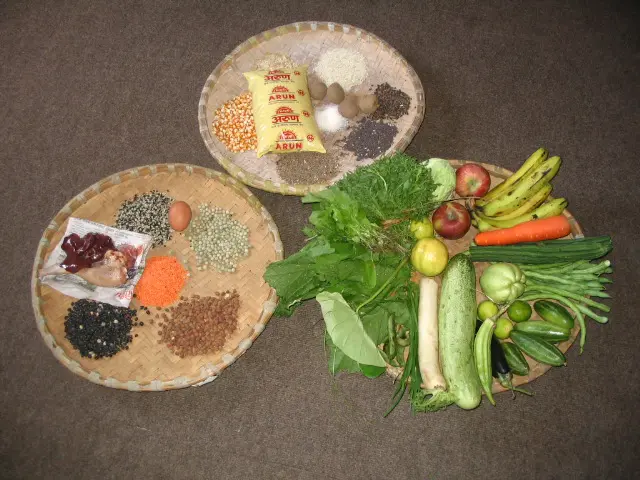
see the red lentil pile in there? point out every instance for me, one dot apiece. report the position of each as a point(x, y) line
point(200, 325)
point(161, 282)
point(234, 126)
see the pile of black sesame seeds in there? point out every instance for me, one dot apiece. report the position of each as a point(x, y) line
point(98, 329)
point(147, 213)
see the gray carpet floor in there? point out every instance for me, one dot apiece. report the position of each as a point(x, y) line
point(90, 88)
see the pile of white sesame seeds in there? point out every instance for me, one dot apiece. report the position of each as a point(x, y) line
point(343, 66)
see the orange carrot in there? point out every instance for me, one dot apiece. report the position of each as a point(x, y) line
point(161, 281)
point(534, 231)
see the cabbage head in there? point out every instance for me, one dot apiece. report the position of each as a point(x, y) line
point(444, 175)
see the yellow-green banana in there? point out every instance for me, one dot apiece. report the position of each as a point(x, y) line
point(534, 202)
point(546, 210)
point(523, 190)
point(480, 224)
point(533, 161)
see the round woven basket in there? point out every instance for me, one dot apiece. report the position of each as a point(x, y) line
point(304, 42)
point(148, 365)
point(536, 369)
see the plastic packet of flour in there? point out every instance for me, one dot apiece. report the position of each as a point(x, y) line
point(282, 111)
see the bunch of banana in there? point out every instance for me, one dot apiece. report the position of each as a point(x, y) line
point(521, 197)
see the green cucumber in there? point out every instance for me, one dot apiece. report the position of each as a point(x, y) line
point(544, 330)
point(456, 331)
point(517, 363)
point(554, 313)
point(539, 350)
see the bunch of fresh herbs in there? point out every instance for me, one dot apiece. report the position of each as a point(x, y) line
point(373, 205)
point(396, 187)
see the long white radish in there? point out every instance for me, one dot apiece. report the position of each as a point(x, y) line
point(428, 356)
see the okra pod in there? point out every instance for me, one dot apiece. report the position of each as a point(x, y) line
point(482, 352)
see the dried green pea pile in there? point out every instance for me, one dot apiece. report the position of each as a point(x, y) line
point(218, 239)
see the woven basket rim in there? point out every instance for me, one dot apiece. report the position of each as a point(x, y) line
point(281, 187)
point(206, 374)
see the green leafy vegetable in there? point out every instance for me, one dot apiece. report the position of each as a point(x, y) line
point(346, 330)
point(394, 187)
point(356, 266)
point(338, 217)
point(339, 362)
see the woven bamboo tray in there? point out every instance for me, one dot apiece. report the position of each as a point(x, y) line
point(304, 42)
point(536, 369)
point(147, 365)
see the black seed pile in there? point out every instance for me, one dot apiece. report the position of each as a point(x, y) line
point(147, 213)
point(370, 139)
point(393, 103)
point(98, 329)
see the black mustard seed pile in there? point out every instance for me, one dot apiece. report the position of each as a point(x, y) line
point(147, 213)
point(98, 329)
point(393, 103)
point(370, 139)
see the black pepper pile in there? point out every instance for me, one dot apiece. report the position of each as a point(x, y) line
point(370, 139)
point(147, 213)
point(200, 325)
point(393, 103)
point(98, 329)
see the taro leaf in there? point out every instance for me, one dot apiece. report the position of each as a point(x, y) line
point(371, 371)
point(376, 324)
point(346, 330)
point(338, 361)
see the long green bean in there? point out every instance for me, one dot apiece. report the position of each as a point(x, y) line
point(574, 296)
point(590, 313)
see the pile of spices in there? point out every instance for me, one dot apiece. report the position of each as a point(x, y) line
point(98, 329)
point(393, 103)
point(329, 119)
point(343, 66)
point(147, 213)
point(234, 126)
point(272, 61)
point(370, 139)
point(217, 239)
point(200, 325)
point(306, 168)
point(161, 282)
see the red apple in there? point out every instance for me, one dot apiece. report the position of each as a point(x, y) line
point(451, 220)
point(472, 180)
